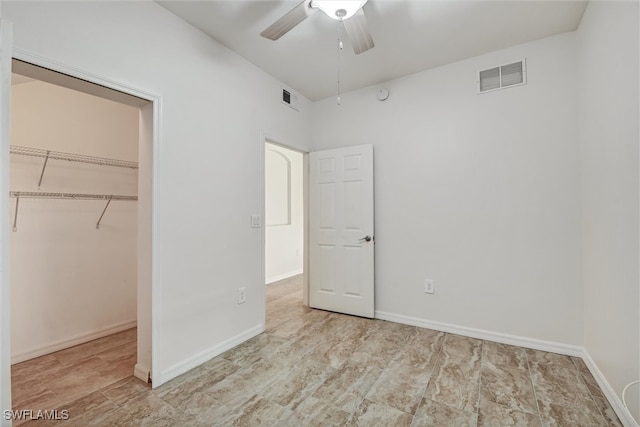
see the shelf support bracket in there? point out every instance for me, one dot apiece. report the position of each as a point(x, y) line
point(44, 166)
point(15, 216)
point(105, 209)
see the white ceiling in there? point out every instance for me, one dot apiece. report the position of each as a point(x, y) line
point(410, 36)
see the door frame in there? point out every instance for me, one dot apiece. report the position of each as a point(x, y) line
point(6, 34)
point(264, 139)
point(150, 161)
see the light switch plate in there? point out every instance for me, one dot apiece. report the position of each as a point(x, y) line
point(255, 221)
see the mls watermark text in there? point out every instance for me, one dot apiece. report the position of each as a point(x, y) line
point(41, 414)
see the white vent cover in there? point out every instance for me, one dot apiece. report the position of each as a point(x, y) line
point(290, 99)
point(503, 76)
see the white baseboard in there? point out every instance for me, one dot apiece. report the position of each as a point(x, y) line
point(616, 402)
point(142, 373)
point(73, 341)
point(536, 344)
point(279, 277)
point(204, 356)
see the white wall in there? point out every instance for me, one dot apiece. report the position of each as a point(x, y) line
point(284, 240)
point(216, 108)
point(608, 42)
point(479, 192)
point(69, 281)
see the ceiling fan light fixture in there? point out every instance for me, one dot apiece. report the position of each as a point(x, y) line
point(339, 9)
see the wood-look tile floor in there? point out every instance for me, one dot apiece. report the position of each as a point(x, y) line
point(316, 368)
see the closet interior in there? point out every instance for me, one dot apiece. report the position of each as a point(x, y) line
point(73, 251)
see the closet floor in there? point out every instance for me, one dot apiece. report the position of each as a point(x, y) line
point(51, 381)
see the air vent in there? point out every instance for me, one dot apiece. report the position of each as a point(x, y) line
point(290, 99)
point(502, 77)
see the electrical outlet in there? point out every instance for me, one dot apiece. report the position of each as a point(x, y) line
point(429, 286)
point(242, 295)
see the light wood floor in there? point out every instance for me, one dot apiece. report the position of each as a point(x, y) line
point(313, 367)
point(54, 380)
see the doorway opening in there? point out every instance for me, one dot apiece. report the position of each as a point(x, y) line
point(81, 162)
point(285, 221)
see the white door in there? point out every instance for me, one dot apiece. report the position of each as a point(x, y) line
point(341, 230)
point(5, 331)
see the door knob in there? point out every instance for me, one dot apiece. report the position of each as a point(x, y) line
point(365, 239)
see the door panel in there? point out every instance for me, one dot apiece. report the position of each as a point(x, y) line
point(341, 261)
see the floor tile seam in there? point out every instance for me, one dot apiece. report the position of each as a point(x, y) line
point(421, 398)
point(280, 322)
point(265, 384)
point(391, 359)
point(480, 378)
point(254, 390)
point(220, 404)
point(356, 407)
point(239, 366)
point(91, 392)
point(282, 407)
point(566, 392)
point(97, 354)
point(310, 393)
point(505, 365)
point(413, 417)
point(366, 392)
point(62, 403)
point(580, 409)
point(455, 408)
point(407, 346)
point(441, 355)
point(67, 364)
point(593, 399)
point(113, 402)
point(533, 386)
point(110, 346)
point(331, 405)
point(520, 407)
point(394, 407)
point(534, 412)
point(433, 366)
point(47, 389)
point(437, 356)
point(361, 396)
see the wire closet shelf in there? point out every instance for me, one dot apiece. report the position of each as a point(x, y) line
point(77, 196)
point(70, 157)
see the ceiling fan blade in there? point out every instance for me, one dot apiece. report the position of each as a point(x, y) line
point(358, 32)
point(292, 18)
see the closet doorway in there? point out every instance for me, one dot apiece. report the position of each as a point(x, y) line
point(80, 247)
point(284, 220)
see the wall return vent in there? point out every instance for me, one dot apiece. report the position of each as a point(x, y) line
point(290, 99)
point(503, 76)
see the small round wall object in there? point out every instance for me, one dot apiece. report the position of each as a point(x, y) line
point(383, 94)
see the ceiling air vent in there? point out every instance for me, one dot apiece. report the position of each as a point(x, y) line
point(502, 77)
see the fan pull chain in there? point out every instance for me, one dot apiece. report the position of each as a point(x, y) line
point(340, 46)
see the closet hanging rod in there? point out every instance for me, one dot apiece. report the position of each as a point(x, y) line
point(77, 196)
point(71, 157)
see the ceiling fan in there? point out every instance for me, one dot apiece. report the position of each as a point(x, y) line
point(349, 12)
